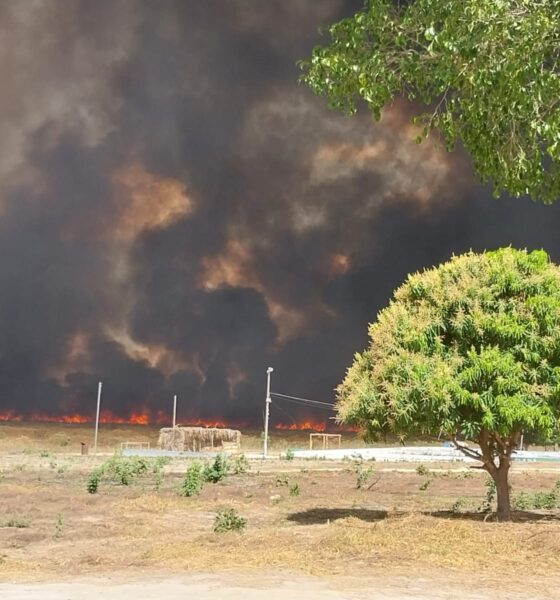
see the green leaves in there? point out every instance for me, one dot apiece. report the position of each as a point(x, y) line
point(472, 344)
point(488, 71)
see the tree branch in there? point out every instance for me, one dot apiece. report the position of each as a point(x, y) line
point(466, 450)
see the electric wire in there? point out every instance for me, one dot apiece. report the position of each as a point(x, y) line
point(276, 406)
point(306, 400)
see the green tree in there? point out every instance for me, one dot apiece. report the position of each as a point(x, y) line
point(489, 73)
point(469, 350)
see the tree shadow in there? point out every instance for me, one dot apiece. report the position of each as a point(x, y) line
point(518, 516)
point(315, 516)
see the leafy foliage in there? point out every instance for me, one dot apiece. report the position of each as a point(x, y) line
point(470, 346)
point(216, 470)
point(538, 500)
point(294, 489)
point(488, 71)
point(240, 465)
point(289, 455)
point(123, 471)
point(470, 349)
point(229, 520)
point(93, 480)
point(193, 481)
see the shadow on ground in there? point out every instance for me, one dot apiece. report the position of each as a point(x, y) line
point(518, 516)
point(315, 516)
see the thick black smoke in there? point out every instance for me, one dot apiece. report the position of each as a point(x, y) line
point(177, 213)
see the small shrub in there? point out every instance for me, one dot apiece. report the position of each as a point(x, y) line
point(487, 504)
point(228, 520)
point(294, 490)
point(458, 505)
point(44, 454)
point(363, 476)
point(538, 500)
point(193, 481)
point(422, 470)
point(241, 465)
point(424, 486)
point(124, 470)
point(92, 484)
point(58, 526)
point(282, 481)
point(217, 470)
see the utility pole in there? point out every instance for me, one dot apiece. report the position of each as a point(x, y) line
point(267, 411)
point(97, 417)
point(174, 411)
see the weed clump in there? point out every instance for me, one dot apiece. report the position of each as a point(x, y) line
point(192, 483)
point(241, 465)
point(538, 500)
point(93, 480)
point(228, 520)
point(123, 471)
point(217, 470)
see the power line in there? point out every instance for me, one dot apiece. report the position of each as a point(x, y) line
point(304, 401)
point(276, 406)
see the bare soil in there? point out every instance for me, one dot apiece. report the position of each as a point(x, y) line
point(401, 536)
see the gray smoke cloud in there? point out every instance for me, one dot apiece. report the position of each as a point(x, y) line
point(177, 213)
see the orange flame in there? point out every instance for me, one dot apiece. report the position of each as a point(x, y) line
point(304, 426)
point(144, 418)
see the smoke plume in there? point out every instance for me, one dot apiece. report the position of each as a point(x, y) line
point(177, 213)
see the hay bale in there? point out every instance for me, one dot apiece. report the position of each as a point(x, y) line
point(179, 439)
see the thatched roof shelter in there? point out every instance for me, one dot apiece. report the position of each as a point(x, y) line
point(179, 439)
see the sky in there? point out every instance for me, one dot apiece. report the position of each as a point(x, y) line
point(178, 213)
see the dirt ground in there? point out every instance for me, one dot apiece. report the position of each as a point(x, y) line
point(405, 531)
point(272, 586)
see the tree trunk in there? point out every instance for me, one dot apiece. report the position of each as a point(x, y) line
point(501, 479)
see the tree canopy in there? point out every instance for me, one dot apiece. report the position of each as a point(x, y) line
point(467, 350)
point(488, 73)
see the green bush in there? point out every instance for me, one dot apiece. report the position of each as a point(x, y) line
point(422, 470)
point(122, 471)
point(241, 465)
point(487, 504)
point(363, 476)
point(193, 480)
point(294, 490)
point(92, 484)
point(289, 454)
point(538, 500)
point(217, 470)
point(228, 520)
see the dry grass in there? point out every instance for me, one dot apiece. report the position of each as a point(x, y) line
point(331, 527)
point(413, 541)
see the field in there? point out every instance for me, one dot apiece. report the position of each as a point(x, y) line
point(306, 517)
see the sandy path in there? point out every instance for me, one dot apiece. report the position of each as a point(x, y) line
point(230, 586)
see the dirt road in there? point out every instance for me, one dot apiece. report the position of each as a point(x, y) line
point(279, 586)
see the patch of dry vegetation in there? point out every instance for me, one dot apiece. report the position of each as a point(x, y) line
point(330, 527)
